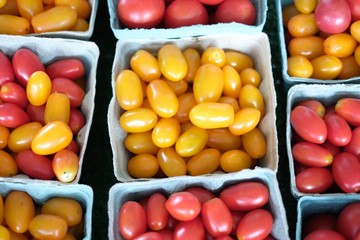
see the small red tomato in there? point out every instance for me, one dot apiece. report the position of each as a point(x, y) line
point(311, 154)
point(319, 221)
point(346, 172)
point(308, 124)
point(70, 88)
point(166, 234)
point(324, 234)
point(13, 92)
point(334, 150)
point(149, 236)
point(7, 73)
point(132, 220)
point(12, 116)
point(76, 120)
point(65, 164)
point(70, 68)
point(157, 215)
point(241, 11)
point(339, 131)
point(183, 206)
point(354, 145)
point(74, 147)
point(256, 224)
point(348, 109)
point(193, 229)
point(201, 193)
point(36, 113)
point(236, 216)
point(314, 105)
point(354, 9)
point(314, 180)
point(348, 221)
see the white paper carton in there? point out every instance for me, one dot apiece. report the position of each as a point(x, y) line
point(50, 49)
point(256, 46)
point(121, 32)
point(122, 192)
point(41, 192)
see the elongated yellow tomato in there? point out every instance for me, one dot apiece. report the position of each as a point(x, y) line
point(186, 102)
point(171, 163)
point(340, 45)
point(234, 103)
point(162, 99)
point(8, 165)
point(14, 25)
point(250, 76)
point(210, 115)
point(4, 134)
point(80, 25)
point(235, 160)
point(192, 141)
point(309, 47)
point(251, 96)
point(245, 120)
point(208, 83)
point(65, 165)
point(214, 55)
point(38, 88)
point(138, 143)
point(67, 208)
point(143, 165)
point(302, 25)
point(166, 132)
point(172, 62)
point(193, 60)
point(326, 67)
point(4, 233)
point(128, 90)
point(145, 65)
point(29, 8)
point(21, 137)
point(254, 143)
point(305, 6)
point(48, 226)
point(178, 87)
point(51, 138)
point(138, 120)
point(58, 18)
point(57, 108)
point(238, 60)
point(19, 209)
point(350, 68)
point(223, 140)
point(1, 209)
point(205, 162)
point(299, 66)
point(232, 82)
point(82, 7)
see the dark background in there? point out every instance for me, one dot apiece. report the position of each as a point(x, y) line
point(97, 170)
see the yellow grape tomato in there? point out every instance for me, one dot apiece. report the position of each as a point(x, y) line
point(251, 96)
point(138, 143)
point(2, 3)
point(29, 8)
point(355, 30)
point(145, 65)
point(51, 138)
point(193, 59)
point(340, 45)
point(210, 115)
point(250, 76)
point(82, 7)
point(128, 90)
point(21, 137)
point(48, 226)
point(19, 210)
point(309, 47)
point(350, 68)
point(4, 134)
point(162, 99)
point(178, 87)
point(288, 12)
point(234, 103)
point(166, 132)
point(57, 108)
point(143, 165)
point(235, 160)
point(305, 6)
point(232, 82)
point(80, 25)
point(4, 233)
point(302, 25)
point(299, 66)
point(171, 163)
point(214, 55)
point(186, 102)
point(223, 140)
point(208, 83)
point(8, 167)
point(254, 143)
point(14, 25)
point(245, 120)
point(138, 120)
point(38, 88)
point(205, 162)
point(326, 67)
point(192, 141)
point(172, 62)
point(238, 60)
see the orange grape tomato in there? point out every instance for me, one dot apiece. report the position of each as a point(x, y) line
point(186, 102)
point(299, 66)
point(254, 143)
point(172, 62)
point(67, 208)
point(326, 67)
point(178, 87)
point(302, 25)
point(65, 164)
point(193, 59)
point(305, 6)
point(210, 115)
point(19, 210)
point(29, 8)
point(340, 45)
point(145, 65)
point(250, 76)
point(143, 165)
point(38, 88)
point(82, 7)
point(235, 160)
point(192, 141)
point(57, 108)
point(214, 55)
point(234, 103)
point(162, 99)
point(232, 82)
point(208, 83)
point(205, 162)
point(288, 12)
point(4, 134)
point(238, 60)
point(138, 120)
point(223, 140)
point(355, 30)
point(21, 137)
point(8, 167)
point(251, 96)
point(138, 143)
point(4, 233)
point(171, 163)
point(166, 132)
point(58, 18)
point(51, 138)
point(1, 209)
point(48, 226)
point(350, 68)
point(14, 25)
point(128, 90)
point(309, 47)
point(80, 25)
point(245, 120)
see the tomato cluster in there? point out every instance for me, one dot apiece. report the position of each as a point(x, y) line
point(56, 218)
point(330, 225)
point(239, 210)
point(179, 13)
point(187, 111)
point(19, 17)
point(326, 145)
point(40, 116)
point(322, 39)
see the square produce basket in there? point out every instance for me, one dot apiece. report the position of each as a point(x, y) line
point(121, 32)
point(122, 192)
point(41, 192)
point(327, 95)
point(256, 46)
point(49, 50)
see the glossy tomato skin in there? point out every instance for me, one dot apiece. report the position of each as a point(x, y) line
point(256, 224)
point(140, 14)
point(76, 121)
point(354, 9)
point(7, 73)
point(314, 105)
point(36, 113)
point(314, 180)
point(346, 107)
point(48, 226)
point(132, 220)
point(223, 140)
point(70, 68)
point(319, 221)
point(12, 116)
point(149, 236)
point(157, 215)
point(65, 165)
point(354, 145)
point(339, 131)
point(193, 229)
point(20, 138)
point(346, 172)
point(311, 154)
point(68, 87)
point(324, 234)
point(185, 13)
point(183, 206)
point(348, 221)
point(241, 11)
point(13, 92)
point(8, 165)
point(201, 193)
